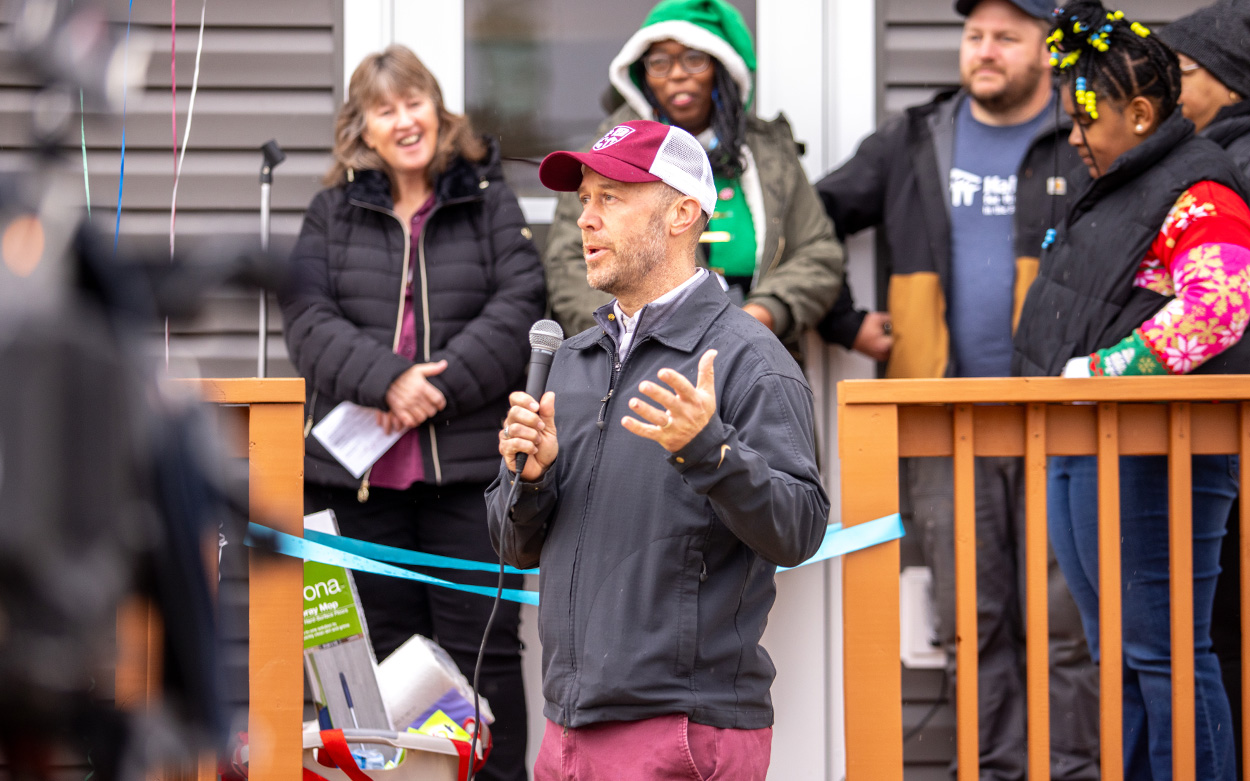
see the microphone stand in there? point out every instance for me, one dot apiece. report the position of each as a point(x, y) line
point(273, 156)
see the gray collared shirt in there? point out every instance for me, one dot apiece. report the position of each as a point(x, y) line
point(623, 328)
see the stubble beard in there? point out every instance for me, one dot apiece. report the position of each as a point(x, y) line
point(635, 260)
point(1013, 94)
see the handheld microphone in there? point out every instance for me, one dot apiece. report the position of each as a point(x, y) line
point(546, 336)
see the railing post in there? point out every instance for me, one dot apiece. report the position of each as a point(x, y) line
point(967, 730)
point(868, 446)
point(1181, 556)
point(1111, 693)
point(1037, 589)
point(1244, 499)
point(276, 672)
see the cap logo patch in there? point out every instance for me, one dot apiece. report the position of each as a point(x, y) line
point(613, 136)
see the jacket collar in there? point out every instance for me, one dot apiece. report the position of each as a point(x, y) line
point(1171, 133)
point(681, 330)
point(939, 114)
point(1230, 123)
point(938, 118)
point(462, 181)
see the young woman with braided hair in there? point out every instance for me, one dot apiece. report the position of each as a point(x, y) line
point(1146, 274)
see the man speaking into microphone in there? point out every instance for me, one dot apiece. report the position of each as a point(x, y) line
point(670, 468)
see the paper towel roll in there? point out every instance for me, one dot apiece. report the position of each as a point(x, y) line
point(415, 676)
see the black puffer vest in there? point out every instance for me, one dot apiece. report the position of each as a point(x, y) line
point(1084, 299)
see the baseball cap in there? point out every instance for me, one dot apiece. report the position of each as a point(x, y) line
point(638, 151)
point(1038, 9)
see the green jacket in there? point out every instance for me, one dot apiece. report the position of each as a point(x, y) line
point(802, 259)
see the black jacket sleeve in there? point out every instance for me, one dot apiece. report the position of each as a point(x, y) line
point(854, 194)
point(854, 197)
point(331, 352)
point(841, 324)
point(486, 359)
point(518, 536)
point(755, 461)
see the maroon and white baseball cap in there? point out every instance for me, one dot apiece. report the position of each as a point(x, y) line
point(638, 151)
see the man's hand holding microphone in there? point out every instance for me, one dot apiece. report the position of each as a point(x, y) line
point(676, 417)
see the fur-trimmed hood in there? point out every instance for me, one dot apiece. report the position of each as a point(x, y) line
point(710, 26)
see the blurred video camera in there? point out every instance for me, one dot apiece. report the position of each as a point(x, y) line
point(110, 486)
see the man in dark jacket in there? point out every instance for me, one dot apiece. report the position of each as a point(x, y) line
point(683, 473)
point(963, 190)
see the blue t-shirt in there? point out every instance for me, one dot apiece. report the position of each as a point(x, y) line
point(982, 192)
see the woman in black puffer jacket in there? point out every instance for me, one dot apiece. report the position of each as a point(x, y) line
point(416, 286)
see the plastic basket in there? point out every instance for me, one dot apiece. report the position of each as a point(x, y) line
point(426, 758)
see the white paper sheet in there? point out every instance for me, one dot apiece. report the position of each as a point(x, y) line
point(352, 435)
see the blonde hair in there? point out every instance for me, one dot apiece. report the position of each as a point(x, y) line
point(395, 71)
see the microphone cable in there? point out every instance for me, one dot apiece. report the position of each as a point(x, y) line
point(481, 651)
point(545, 338)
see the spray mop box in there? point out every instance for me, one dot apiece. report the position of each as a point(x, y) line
point(337, 655)
point(330, 611)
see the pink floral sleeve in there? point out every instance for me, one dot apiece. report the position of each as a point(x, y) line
point(1202, 257)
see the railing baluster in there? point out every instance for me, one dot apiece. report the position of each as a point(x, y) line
point(1181, 555)
point(275, 648)
point(1037, 625)
point(1245, 580)
point(1111, 679)
point(940, 422)
point(966, 597)
point(873, 683)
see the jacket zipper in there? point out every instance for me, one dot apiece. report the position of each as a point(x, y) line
point(362, 493)
point(425, 342)
point(601, 423)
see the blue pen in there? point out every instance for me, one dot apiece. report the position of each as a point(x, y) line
point(350, 707)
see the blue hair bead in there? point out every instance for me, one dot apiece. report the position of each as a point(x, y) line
point(1050, 238)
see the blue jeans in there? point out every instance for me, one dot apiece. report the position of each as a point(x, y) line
point(1073, 522)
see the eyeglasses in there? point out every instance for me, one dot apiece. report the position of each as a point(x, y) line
point(1190, 68)
point(660, 64)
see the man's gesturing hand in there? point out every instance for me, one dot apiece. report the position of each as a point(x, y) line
point(530, 428)
point(683, 413)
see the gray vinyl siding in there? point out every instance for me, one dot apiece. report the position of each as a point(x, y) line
point(919, 56)
point(269, 69)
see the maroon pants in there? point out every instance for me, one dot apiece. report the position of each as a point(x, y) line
point(665, 748)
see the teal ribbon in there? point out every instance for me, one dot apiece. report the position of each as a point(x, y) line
point(840, 540)
point(372, 550)
point(263, 537)
point(361, 556)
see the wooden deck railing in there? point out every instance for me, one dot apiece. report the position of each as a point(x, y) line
point(880, 421)
point(273, 413)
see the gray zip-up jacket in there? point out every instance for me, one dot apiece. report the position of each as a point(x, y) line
point(657, 568)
